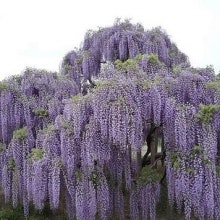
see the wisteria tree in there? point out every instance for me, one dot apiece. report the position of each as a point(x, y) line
point(78, 137)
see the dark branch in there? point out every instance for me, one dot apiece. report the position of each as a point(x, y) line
point(149, 139)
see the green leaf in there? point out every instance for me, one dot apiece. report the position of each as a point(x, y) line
point(20, 134)
point(41, 112)
point(149, 175)
point(36, 154)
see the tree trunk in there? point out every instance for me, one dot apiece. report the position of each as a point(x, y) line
point(153, 147)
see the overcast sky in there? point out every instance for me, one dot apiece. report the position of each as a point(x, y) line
point(38, 33)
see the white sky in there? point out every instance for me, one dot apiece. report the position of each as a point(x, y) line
point(38, 33)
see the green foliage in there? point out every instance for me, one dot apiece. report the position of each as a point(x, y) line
point(36, 154)
point(94, 177)
point(76, 98)
point(86, 53)
point(206, 112)
point(79, 175)
point(65, 124)
point(11, 164)
point(218, 170)
point(20, 134)
point(149, 175)
point(214, 84)
point(144, 84)
point(16, 78)
point(68, 126)
point(190, 170)
point(7, 213)
point(68, 67)
point(153, 58)
point(138, 58)
point(176, 165)
point(50, 129)
point(181, 107)
point(41, 112)
point(79, 60)
point(175, 160)
point(2, 147)
point(105, 84)
point(133, 64)
point(3, 86)
point(128, 65)
point(197, 149)
point(177, 69)
point(173, 157)
point(120, 101)
point(206, 160)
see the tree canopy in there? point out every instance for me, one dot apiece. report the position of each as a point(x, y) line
point(78, 135)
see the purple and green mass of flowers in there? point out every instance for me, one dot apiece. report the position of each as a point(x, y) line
point(76, 136)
